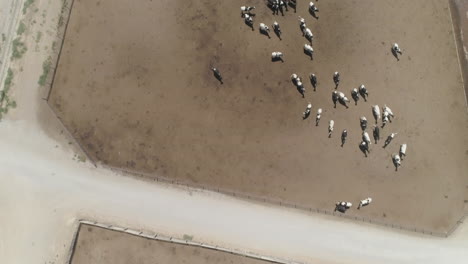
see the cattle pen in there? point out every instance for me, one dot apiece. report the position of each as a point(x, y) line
point(141, 98)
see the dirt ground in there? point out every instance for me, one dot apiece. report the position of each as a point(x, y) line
point(99, 245)
point(134, 87)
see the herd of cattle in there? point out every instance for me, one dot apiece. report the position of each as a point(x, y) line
point(386, 115)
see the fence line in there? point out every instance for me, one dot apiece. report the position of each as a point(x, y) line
point(61, 32)
point(282, 203)
point(159, 237)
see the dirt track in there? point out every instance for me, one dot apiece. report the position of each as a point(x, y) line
point(136, 91)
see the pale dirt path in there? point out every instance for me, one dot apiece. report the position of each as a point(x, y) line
point(43, 192)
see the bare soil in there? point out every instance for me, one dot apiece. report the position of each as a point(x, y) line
point(103, 246)
point(134, 87)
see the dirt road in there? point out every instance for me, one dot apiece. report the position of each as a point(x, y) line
point(43, 192)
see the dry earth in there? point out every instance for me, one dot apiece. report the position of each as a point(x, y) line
point(98, 245)
point(134, 87)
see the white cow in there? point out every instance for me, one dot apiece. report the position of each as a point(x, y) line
point(246, 9)
point(366, 138)
point(343, 99)
point(364, 202)
point(330, 127)
point(309, 50)
point(396, 161)
point(308, 34)
point(298, 83)
point(277, 55)
point(396, 48)
point(264, 27)
point(385, 118)
point(302, 24)
point(248, 20)
point(363, 122)
point(306, 113)
point(403, 150)
point(312, 7)
point(376, 113)
point(387, 109)
point(294, 77)
point(319, 115)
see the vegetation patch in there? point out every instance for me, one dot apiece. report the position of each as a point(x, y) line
point(38, 36)
point(5, 101)
point(19, 48)
point(45, 71)
point(27, 4)
point(21, 29)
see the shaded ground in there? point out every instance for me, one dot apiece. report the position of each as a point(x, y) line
point(135, 89)
point(99, 245)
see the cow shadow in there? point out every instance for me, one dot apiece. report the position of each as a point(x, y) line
point(310, 54)
point(264, 32)
point(313, 14)
point(277, 59)
point(395, 54)
point(278, 34)
point(218, 77)
point(250, 25)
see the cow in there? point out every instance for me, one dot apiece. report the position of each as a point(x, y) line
point(312, 7)
point(376, 113)
point(302, 24)
point(313, 81)
point(298, 83)
point(366, 138)
point(387, 109)
point(307, 33)
point(277, 29)
point(402, 151)
point(276, 6)
point(385, 118)
point(313, 10)
point(363, 122)
point(277, 55)
point(342, 99)
point(364, 147)
point(376, 134)
point(364, 202)
point(246, 9)
point(342, 206)
point(336, 79)
point(264, 29)
point(355, 95)
point(363, 92)
point(217, 74)
point(389, 139)
point(306, 113)
point(319, 115)
point(396, 48)
point(344, 135)
point(309, 51)
point(396, 161)
point(331, 124)
point(334, 98)
point(248, 19)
